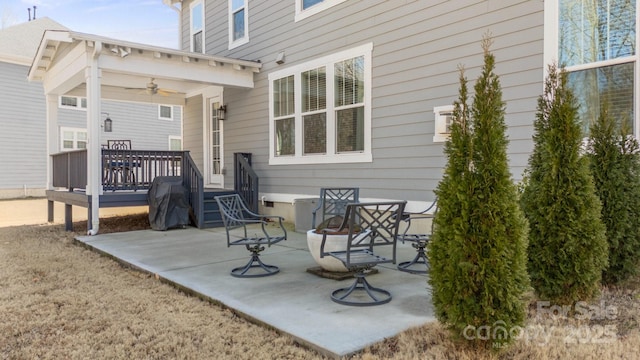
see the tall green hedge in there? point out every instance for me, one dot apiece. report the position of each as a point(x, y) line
point(478, 251)
point(567, 244)
point(615, 165)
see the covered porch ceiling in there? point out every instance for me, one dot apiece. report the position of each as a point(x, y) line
point(131, 71)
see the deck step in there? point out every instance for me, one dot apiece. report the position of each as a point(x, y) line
point(212, 217)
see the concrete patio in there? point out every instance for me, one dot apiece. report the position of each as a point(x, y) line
point(293, 301)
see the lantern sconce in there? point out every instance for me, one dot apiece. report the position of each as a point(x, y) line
point(221, 112)
point(108, 124)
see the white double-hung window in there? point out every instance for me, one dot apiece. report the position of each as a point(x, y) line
point(306, 8)
point(596, 42)
point(197, 26)
point(320, 111)
point(238, 23)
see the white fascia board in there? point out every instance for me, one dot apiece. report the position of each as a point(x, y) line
point(48, 37)
point(253, 65)
point(66, 73)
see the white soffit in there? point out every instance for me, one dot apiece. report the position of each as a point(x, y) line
point(127, 64)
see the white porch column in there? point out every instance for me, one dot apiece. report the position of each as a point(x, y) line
point(52, 135)
point(94, 152)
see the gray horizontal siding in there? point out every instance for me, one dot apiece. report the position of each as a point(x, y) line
point(418, 46)
point(22, 130)
point(23, 127)
point(137, 122)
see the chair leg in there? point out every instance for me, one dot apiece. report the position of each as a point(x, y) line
point(372, 295)
point(253, 263)
point(420, 259)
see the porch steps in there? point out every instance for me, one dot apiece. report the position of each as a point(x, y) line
point(212, 217)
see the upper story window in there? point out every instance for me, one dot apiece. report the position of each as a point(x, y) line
point(197, 27)
point(306, 8)
point(320, 111)
point(238, 23)
point(73, 139)
point(165, 112)
point(596, 43)
point(73, 102)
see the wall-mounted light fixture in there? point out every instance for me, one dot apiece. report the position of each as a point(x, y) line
point(221, 112)
point(280, 58)
point(108, 124)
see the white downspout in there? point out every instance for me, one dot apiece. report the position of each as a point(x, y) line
point(170, 4)
point(94, 152)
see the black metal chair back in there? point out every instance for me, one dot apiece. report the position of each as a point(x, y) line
point(333, 202)
point(371, 227)
point(238, 220)
point(119, 144)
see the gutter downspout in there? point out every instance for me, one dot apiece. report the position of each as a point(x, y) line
point(170, 4)
point(94, 152)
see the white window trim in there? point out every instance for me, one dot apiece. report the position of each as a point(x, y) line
point(550, 53)
point(315, 9)
point(235, 43)
point(174, 137)
point(78, 98)
point(191, 6)
point(331, 157)
point(75, 138)
point(442, 113)
point(170, 118)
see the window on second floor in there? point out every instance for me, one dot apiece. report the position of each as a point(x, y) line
point(165, 112)
point(238, 23)
point(197, 27)
point(73, 102)
point(320, 111)
point(73, 139)
point(306, 8)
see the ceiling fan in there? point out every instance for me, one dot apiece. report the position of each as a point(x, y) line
point(152, 89)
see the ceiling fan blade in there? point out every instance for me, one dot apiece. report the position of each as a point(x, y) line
point(166, 92)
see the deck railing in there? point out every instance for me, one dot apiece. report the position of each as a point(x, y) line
point(246, 180)
point(192, 179)
point(121, 169)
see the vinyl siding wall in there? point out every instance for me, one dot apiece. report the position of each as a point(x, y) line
point(417, 49)
point(22, 131)
point(23, 123)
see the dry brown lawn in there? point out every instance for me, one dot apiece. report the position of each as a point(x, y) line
point(59, 300)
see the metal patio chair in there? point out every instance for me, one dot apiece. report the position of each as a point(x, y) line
point(372, 228)
point(419, 240)
point(237, 219)
point(333, 202)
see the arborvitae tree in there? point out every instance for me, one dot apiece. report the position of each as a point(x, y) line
point(567, 244)
point(478, 251)
point(615, 165)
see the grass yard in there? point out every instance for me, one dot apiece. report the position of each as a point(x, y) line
point(62, 301)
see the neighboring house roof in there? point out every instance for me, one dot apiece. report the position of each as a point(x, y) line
point(19, 43)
